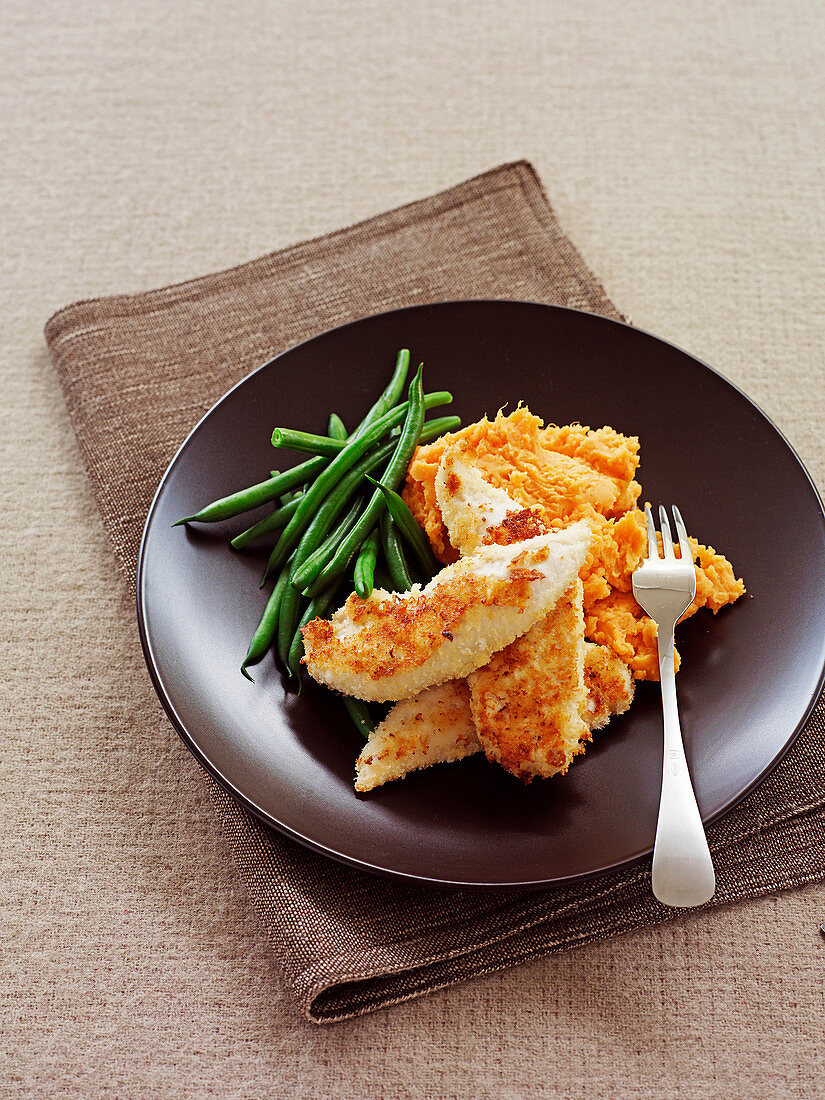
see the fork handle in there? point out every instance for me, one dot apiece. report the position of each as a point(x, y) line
point(682, 867)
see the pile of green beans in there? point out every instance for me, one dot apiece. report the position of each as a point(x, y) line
point(339, 520)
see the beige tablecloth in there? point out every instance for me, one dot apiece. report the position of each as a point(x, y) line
point(683, 152)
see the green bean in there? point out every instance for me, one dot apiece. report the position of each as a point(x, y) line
point(394, 555)
point(408, 526)
point(353, 450)
point(262, 493)
point(336, 428)
point(301, 576)
point(331, 444)
point(307, 442)
point(273, 522)
point(296, 646)
point(299, 488)
point(394, 471)
point(268, 626)
point(365, 565)
point(360, 715)
point(392, 391)
point(281, 480)
point(288, 617)
point(315, 528)
point(329, 447)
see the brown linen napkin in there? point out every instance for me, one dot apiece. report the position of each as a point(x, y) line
point(138, 371)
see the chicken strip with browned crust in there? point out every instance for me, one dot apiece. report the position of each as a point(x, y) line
point(391, 646)
point(436, 726)
point(530, 703)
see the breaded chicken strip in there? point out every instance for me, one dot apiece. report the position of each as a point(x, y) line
point(389, 647)
point(528, 702)
point(609, 685)
point(470, 506)
point(436, 726)
point(477, 513)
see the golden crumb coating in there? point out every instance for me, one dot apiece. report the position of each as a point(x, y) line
point(608, 684)
point(389, 647)
point(551, 666)
point(528, 702)
point(472, 510)
point(434, 727)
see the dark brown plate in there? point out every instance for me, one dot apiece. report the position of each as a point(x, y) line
point(750, 675)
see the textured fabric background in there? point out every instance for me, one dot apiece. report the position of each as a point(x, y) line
point(138, 370)
point(682, 149)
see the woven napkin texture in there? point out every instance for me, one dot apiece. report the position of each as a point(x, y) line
point(138, 371)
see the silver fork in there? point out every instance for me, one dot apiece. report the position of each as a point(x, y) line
point(665, 586)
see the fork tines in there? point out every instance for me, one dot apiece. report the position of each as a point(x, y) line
point(667, 538)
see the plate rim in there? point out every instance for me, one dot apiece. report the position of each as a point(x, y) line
point(342, 857)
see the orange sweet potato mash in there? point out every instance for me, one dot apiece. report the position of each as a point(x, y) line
point(571, 473)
